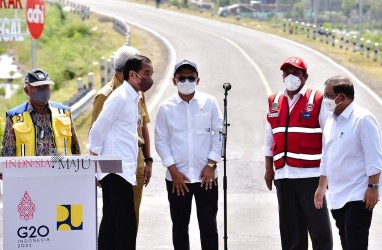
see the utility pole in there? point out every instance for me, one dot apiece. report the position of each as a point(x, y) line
point(315, 8)
point(277, 13)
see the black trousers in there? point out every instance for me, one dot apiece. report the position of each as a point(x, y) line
point(298, 216)
point(353, 222)
point(117, 230)
point(207, 208)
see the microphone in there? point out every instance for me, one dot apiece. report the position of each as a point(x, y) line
point(226, 86)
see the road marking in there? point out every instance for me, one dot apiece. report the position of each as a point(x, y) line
point(241, 50)
point(163, 83)
point(248, 58)
point(172, 50)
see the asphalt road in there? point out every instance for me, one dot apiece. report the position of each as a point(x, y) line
point(250, 61)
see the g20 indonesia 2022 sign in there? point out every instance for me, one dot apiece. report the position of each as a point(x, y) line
point(49, 203)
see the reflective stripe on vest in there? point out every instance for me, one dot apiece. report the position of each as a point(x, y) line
point(306, 157)
point(297, 130)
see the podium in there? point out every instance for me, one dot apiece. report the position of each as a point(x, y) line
point(50, 202)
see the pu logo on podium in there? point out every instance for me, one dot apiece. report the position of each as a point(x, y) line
point(69, 217)
point(26, 207)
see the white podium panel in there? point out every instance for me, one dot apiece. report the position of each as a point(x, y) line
point(50, 203)
point(50, 213)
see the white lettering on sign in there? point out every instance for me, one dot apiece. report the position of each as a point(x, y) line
point(11, 4)
point(36, 15)
point(10, 29)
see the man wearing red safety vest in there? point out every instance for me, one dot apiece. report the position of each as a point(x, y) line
point(293, 144)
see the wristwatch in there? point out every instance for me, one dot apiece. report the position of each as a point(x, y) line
point(373, 186)
point(212, 165)
point(148, 159)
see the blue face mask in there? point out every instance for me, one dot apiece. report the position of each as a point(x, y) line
point(41, 96)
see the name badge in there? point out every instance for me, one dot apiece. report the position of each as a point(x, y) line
point(272, 115)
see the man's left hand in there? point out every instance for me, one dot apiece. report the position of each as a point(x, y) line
point(208, 177)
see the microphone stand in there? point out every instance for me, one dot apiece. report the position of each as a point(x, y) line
point(226, 87)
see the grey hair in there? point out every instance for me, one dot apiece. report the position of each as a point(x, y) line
point(122, 55)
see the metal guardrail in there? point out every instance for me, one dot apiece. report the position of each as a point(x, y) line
point(122, 28)
point(84, 97)
point(79, 107)
point(82, 10)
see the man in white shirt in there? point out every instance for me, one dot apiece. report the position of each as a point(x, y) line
point(115, 133)
point(351, 164)
point(292, 144)
point(187, 140)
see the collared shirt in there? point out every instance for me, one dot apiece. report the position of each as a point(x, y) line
point(115, 130)
point(45, 142)
point(288, 171)
point(104, 93)
point(187, 134)
point(351, 153)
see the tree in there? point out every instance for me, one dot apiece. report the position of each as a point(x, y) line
point(374, 8)
point(348, 6)
point(298, 10)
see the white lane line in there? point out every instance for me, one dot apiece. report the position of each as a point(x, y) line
point(163, 83)
point(172, 52)
point(241, 50)
point(257, 68)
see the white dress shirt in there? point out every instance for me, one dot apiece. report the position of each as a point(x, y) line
point(187, 134)
point(351, 153)
point(288, 171)
point(115, 130)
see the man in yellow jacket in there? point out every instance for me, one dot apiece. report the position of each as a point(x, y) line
point(39, 127)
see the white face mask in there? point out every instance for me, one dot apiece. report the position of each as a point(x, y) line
point(292, 82)
point(186, 87)
point(330, 104)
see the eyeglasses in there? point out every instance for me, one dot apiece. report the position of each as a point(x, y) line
point(184, 78)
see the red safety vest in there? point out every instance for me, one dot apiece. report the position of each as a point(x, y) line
point(297, 135)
